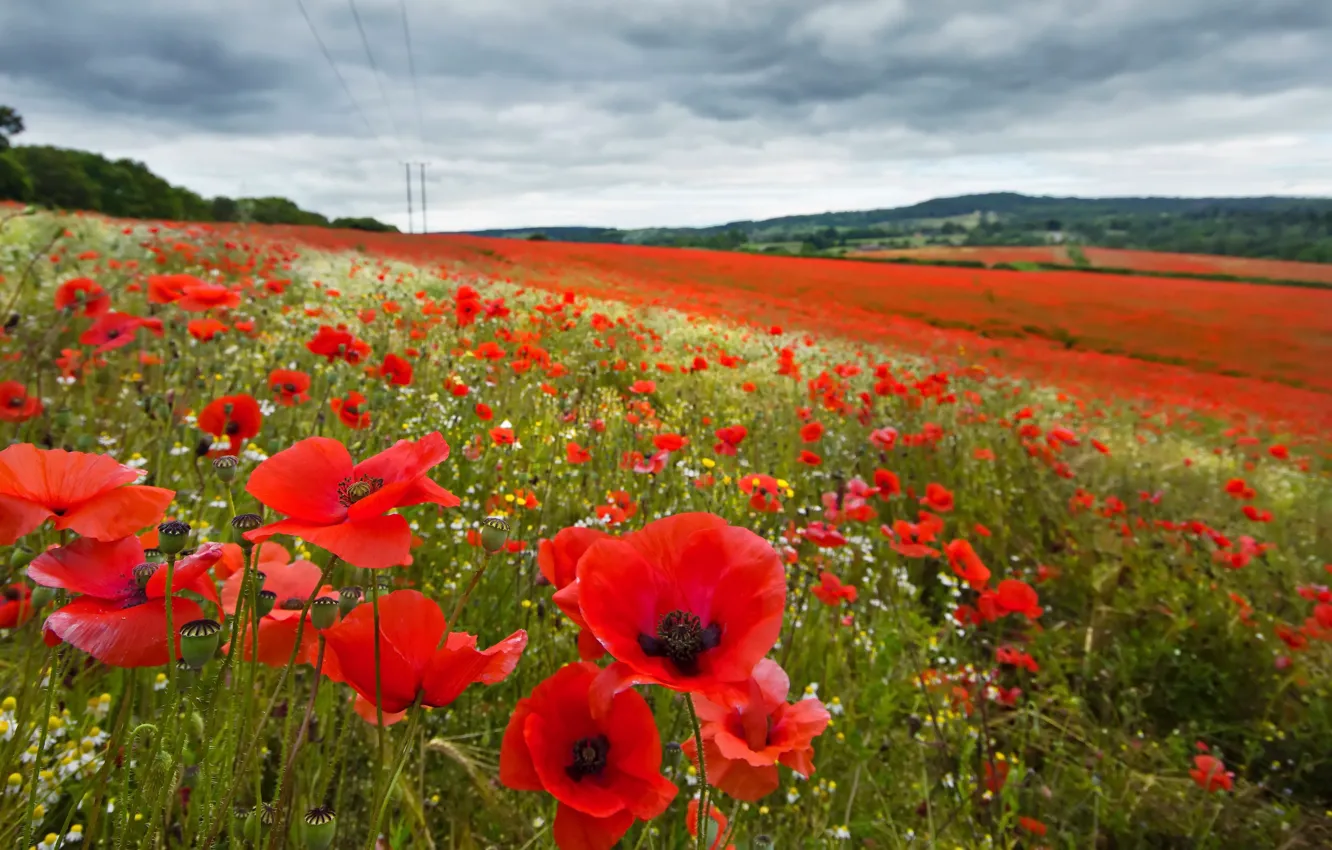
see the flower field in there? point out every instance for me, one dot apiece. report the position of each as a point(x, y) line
point(319, 539)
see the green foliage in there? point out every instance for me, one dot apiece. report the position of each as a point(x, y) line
point(11, 124)
point(15, 184)
point(367, 224)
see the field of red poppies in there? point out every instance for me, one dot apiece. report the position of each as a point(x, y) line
point(324, 539)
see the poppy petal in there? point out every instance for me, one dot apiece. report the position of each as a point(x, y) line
point(118, 512)
point(302, 481)
point(516, 770)
point(120, 636)
point(104, 570)
point(367, 712)
point(373, 543)
point(405, 460)
point(187, 571)
point(575, 830)
point(19, 517)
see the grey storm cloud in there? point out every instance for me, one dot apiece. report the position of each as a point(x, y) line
point(683, 111)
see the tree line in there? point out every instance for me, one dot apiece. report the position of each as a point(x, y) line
point(124, 188)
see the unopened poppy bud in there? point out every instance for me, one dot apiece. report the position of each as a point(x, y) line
point(241, 523)
point(199, 640)
point(267, 599)
point(225, 467)
point(172, 536)
point(19, 558)
point(324, 612)
point(42, 596)
point(494, 533)
point(320, 825)
point(349, 598)
point(197, 724)
point(143, 572)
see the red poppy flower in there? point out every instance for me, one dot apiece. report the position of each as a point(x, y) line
point(205, 329)
point(90, 494)
point(237, 417)
point(811, 432)
point(396, 370)
point(967, 564)
point(15, 605)
point(809, 458)
point(342, 507)
point(643, 387)
point(937, 498)
point(830, 591)
point(115, 620)
point(717, 828)
point(15, 403)
point(669, 442)
point(350, 411)
point(116, 330)
point(168, 288)
point(745, 739)
point(85, 292)
point(575, 454)
point(502, 436)
point(557, 558)
point(293, 583)
point(688, 602)
point(289, 387)
point(763, 491)
point(1211, 775)
point(729, 439)
point(412, 663)
point(604, 770)
point(1018, 597)
point(234, 558)
point(200, 296)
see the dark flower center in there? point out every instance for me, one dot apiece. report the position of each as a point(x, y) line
point(352, 409)
point(16, 401)
point(589, 757)
point(233, 428)
point(291, 388)
point(351, 491)
point(681, 637)
point(11, 594)
point(112, 334)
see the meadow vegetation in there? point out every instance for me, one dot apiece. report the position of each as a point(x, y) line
point(1044, 597)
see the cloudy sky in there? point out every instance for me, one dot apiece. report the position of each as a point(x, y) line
point(681, 112)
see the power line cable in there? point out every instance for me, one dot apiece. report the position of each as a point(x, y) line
point(370, 56)
point(411, 67)
point(323, 48)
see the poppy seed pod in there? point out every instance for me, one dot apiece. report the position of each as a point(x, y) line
point(41, 596)
point(348, 599)
point(324, 612)
point(242, 523)
point(144, 572)
point(172, 536)
point(763, 841)
point(225, 467)
point(267, 599)
point(320, 825)
point(494, 533)
point(199, 640)
point(20, 557)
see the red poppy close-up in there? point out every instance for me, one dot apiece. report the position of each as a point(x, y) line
point(118, 618)
point(351, 410)
point(292, 583)
point(289, 387)
point(86, 493)
point(84, 293)
point(341, 506)
point(688, 602)
point(15, 605)
point(744, 739)
point(557, 558)
point(604, 770)
point(236, 417)
point(412, 665)
point(15, 403)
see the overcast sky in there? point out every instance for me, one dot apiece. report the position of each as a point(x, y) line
point(637, 113)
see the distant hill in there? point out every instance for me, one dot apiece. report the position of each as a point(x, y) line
point(1292, 228)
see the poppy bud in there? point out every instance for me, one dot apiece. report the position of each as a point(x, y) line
point(267, 599)
point(198, 641)
point(172, 536)
point(225, 467)
point(324, 612)
point(349, 598)
point(197, 724)
point(242, 523)
point(143, 572)
point(19, 558)
point(494, 533)
point(320, 824)
point(41, 596)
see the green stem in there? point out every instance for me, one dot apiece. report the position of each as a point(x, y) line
point(379, 687)
point(45, 722)
point(412, 723)
point(702, 836)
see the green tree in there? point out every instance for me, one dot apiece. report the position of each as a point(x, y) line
point(15, 184)
point(11, 124)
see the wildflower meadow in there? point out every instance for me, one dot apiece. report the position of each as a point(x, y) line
point(343, 540)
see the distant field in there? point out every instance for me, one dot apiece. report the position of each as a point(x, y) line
point(1234, 346)
point(1113, 258)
